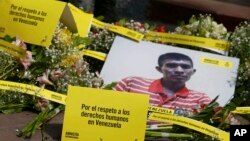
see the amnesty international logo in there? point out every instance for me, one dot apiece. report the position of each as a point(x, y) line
point(73, 135)
point(2, 29)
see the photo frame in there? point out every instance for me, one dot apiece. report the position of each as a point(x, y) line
point(215, 74)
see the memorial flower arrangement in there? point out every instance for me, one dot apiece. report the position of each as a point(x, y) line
point(102, 39)
point(62, 64)
point(53, 68)
point(139, 26)
point(203, 26)
point(239, 39)
point(240, 48)
point(213, 114)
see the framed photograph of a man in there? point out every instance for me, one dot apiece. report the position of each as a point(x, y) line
point(173, 77)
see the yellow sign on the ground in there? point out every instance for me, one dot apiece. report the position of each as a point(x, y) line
point(33, 90)
point(242, 110)
point(104, 115)
point(208, 43)
point(26, 18)
point(82, 20)
point(119, 29)
point(95, 54)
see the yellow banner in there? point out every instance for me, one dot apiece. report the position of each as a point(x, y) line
point(160, 110)
point(12, 49)
point(104, 115)
point(118, 29)
point(98, 55)
point(242, 110)
point(188, 40)
point(192, 124)
point(33, 90)
point(82, 20)
point(216, 62)
point(32, 21)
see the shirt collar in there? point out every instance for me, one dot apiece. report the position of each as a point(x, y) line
point(156, 87)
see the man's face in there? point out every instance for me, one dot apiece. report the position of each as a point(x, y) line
point(176, 71)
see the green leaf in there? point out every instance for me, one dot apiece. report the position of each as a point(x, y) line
point(13, 108)
point(192, 19)
point(11, 111)
point(152, 27)
point(208, 112)
point(100, 18)
point(8, 38)
point(180, 23)
point(146, 25)
point(122, 22)
point(81, 40)
point(213, 101)
point(110, 86)
point(202, 32)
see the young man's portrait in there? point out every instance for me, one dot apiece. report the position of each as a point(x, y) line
point(175, 78)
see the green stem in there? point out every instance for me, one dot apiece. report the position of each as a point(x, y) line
point(40, 119)
point(9, 65)
point(13, 106)
point(2, 76)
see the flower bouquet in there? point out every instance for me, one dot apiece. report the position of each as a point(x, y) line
point(62, 64)
point(52, 68)
point(214, 115)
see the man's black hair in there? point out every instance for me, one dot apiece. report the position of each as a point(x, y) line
point(173, 56)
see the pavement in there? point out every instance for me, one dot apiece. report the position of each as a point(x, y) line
point(51, 131)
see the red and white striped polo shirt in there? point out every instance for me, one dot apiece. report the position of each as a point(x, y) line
point(185, 100)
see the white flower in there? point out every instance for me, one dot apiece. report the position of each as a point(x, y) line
point(42, 103)
point(44, 80)
point(26, 60)
point(19, 43)
point(55, 74)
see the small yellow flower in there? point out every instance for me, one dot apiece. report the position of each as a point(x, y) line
point(64, 36)
point(70, 60)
